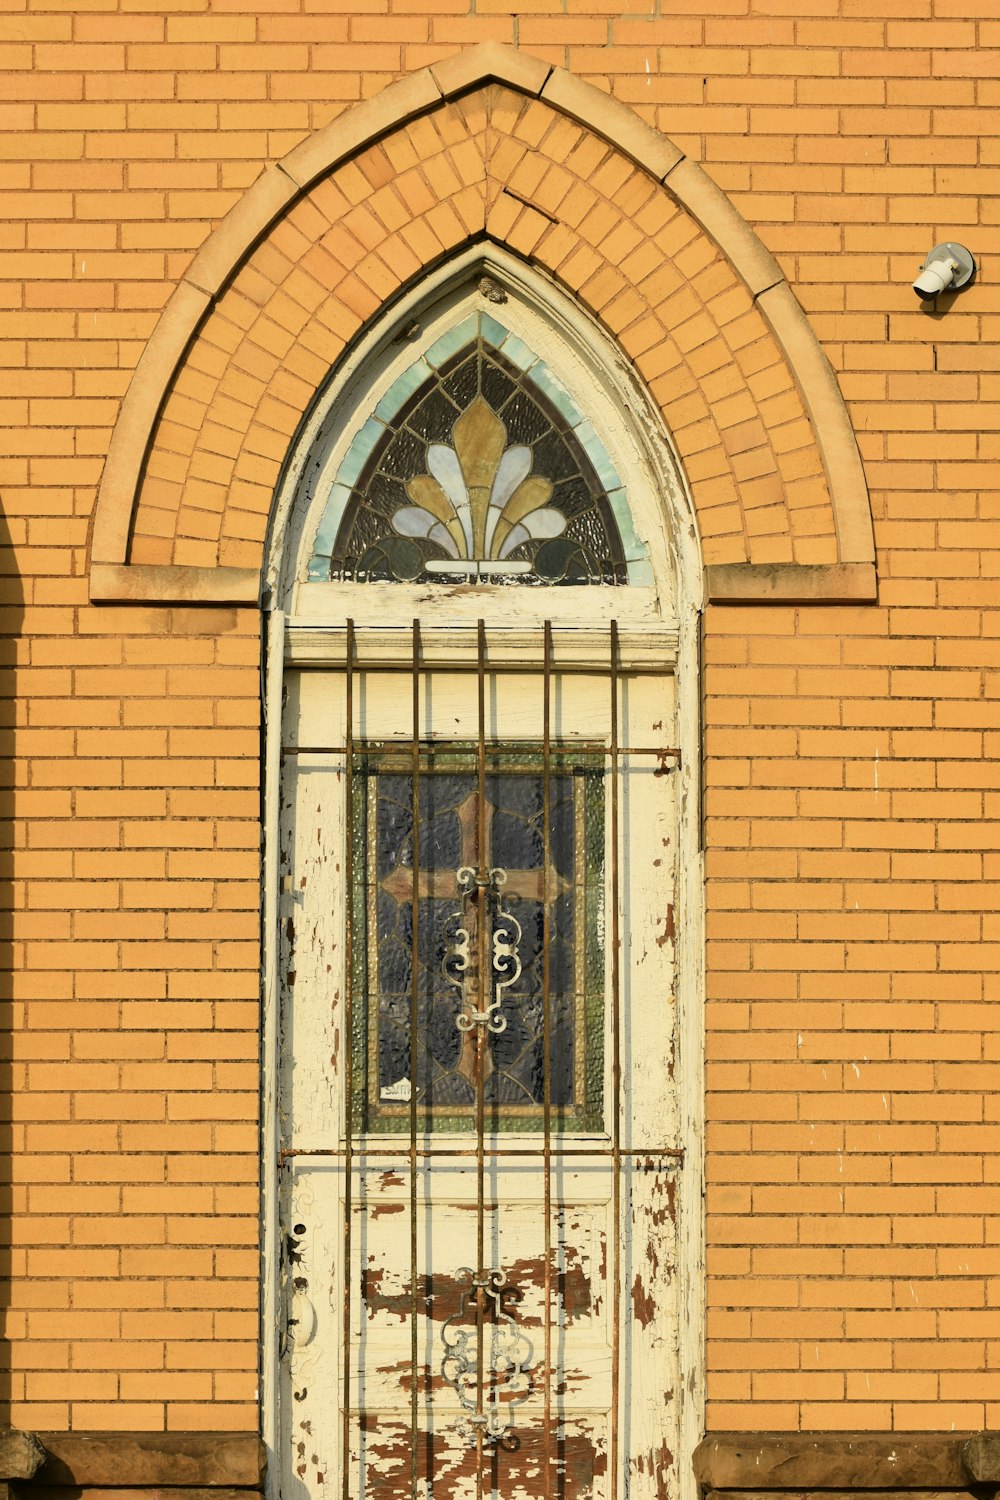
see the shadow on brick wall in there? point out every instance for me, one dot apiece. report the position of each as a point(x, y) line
point(15, 793)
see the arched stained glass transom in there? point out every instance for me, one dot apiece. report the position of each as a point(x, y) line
point(477, 465)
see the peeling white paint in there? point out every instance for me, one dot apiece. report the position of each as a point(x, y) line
point(656, 1262)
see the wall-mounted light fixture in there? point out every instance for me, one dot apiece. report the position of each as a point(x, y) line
point(947, 269)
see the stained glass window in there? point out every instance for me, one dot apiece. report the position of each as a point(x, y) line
point(449, 911)
point(477, 464)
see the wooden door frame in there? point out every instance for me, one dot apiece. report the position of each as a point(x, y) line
point(690, 948)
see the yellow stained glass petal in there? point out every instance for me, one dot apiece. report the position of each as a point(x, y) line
point(426, 492)
point(531, 494)
point(480, 439)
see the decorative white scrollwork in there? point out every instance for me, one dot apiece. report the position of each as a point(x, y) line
point(487, 1395)
point(505, 937)
point(457, 958)
point(506, 1380)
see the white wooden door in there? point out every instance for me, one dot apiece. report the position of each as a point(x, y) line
point(507, 1322)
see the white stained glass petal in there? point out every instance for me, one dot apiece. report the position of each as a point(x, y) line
point(413, 520)
point(512, 468)
point(443, 465)
point(444, 538)
point(545, 522)
point(515, 536)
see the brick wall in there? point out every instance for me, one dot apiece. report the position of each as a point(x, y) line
point(131, 1005)
point(854, 847)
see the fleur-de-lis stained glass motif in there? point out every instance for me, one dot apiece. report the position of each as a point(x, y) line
point(477, 465)
point(479, 499)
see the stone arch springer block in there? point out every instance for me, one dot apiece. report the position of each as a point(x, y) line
point(494, 144)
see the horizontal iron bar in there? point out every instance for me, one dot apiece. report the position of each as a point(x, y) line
point(497, 668)
point(564, 751)
point(456, 649)
point(402, 1151)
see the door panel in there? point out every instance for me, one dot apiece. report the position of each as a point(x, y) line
point(520, 1281)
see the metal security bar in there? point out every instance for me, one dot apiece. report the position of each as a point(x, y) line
point(547, 1043)
point(616, 1073)
point(481, 878)
point(348, 1060)
point(470, 1362)
point(414, 1016)
point(663, 753)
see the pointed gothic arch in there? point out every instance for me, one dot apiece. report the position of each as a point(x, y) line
point(363, 662)
point(490, 146)
point(566, 415)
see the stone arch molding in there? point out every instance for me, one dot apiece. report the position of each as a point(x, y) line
point(489, 144)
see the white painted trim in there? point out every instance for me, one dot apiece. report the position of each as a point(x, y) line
point(270, 1384)
point(650, 649)
point(667, 523)
point(631, 605)
point(690, 1061)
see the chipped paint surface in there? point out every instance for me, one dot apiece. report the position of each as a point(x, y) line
point(590, 1252)
point(448, 1468)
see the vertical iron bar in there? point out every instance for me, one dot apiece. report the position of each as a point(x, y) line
point(616, 1069)
point(347, 1044)
point(547, 1036)
point(277, 1424)
point(414, 1057)
point(480, 1051)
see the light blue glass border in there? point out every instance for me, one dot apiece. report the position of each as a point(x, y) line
point(519, 354)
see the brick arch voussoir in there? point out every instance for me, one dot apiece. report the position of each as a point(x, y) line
point(342, 251)
point(648, 270)
point(489, 142)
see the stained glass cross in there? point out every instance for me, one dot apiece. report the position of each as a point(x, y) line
point(443, 883)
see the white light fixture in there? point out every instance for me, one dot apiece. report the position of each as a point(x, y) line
point(948, 267)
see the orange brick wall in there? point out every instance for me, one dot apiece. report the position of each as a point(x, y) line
point(131, 1002)
point(854, 844)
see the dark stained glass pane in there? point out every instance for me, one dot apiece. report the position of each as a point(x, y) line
point(512, 904)
point(477, 474)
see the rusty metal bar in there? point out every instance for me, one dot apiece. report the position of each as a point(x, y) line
point(347, 1044)
point(568, 749)
point(565, 1153)
point(616, 1072)
point(547, 1036)
point(414, 1057)
point(480, 1052)
point(506, 668)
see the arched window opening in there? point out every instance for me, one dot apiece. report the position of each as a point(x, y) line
point(484, 434)
point(480, 1134)
point(477, 464)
